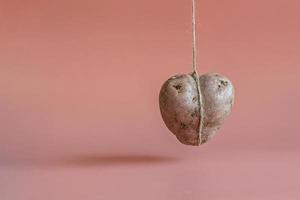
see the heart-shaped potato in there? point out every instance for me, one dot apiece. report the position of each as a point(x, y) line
point(181, 106)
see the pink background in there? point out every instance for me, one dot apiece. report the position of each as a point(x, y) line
point(79, 84)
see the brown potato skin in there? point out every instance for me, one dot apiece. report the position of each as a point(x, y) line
point(179, 106)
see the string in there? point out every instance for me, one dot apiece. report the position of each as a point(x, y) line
point(194, 37)
point(195, 73)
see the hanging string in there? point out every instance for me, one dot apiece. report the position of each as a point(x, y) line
point(195, 74)
point(194, 37)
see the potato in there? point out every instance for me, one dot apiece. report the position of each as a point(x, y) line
point(181, 109)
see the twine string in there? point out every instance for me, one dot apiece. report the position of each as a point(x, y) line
point(194, 37)
point(196, 76)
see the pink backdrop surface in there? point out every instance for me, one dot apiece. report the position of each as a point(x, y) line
point(79, 85)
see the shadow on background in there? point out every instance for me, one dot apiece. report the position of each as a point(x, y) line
point(116, 160)
point(90, 161)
